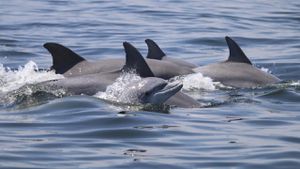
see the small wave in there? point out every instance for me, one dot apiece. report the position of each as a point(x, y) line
point(286, 84)
point(28, 74)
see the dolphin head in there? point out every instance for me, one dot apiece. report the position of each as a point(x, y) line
point(151, 90)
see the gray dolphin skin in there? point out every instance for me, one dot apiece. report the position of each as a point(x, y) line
point(237, 71)
point(154, 90)
point(68, 63)
point(155, 52)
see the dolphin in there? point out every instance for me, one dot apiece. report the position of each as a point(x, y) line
point(69, 63)
point(151, 89)
point(155, 52)
point(237, 71)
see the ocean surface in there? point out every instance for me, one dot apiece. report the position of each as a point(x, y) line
point(237, 128)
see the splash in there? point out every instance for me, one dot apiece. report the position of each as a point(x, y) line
point(295, 83)
point(116, 91)
point(265, 70)
point(28, 74)
point(197, 81)
point(117, 95)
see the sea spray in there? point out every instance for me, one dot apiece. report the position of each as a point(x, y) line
point(115, 92)
point(196, 81)
point(28, 74)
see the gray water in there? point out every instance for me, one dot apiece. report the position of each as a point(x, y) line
point(241, 128)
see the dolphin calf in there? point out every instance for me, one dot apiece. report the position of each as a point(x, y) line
point(155, 52)
point(151, 89)
point(237, 71)
point(68, 63)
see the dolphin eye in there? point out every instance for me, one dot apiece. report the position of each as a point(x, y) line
point(147, 94)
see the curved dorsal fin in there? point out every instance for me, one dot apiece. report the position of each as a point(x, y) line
point(63, 57)
point(134, 60)
point(236, 54)
point(154, 51)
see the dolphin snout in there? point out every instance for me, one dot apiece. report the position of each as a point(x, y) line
point(173, 87)
point(167, 90)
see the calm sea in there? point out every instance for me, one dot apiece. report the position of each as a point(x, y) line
point(239, 128)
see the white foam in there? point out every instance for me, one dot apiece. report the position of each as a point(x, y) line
point(116, 91)
point(295, 83)
point(197, 81)
point(265, 70)
point(14, 79)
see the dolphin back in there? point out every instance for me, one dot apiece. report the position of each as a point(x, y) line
point(63, 57)
point(236, 54)
point(154, 51)
point(135, 61)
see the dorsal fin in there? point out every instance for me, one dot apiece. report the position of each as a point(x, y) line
point(236, 54)
point(63, 57)
point(134, 60)
point(154, 51)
